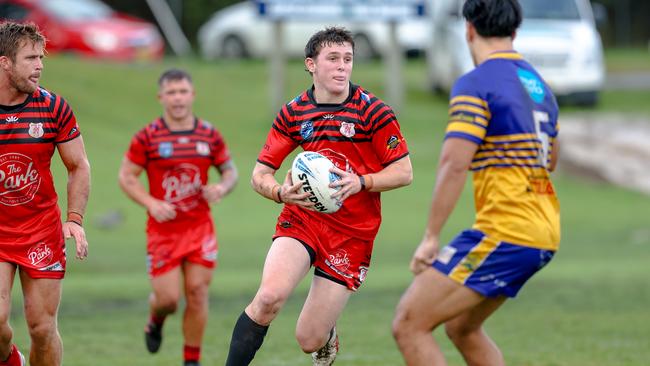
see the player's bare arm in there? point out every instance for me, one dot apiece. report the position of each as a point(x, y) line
point(160, 210)
point(397, 174)
point(213, 193)
point(73, 155)
point(264, 182)
point(455, 160)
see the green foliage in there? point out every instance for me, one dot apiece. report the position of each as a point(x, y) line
point(588, 307)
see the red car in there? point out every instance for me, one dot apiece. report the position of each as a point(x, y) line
point(89, 28)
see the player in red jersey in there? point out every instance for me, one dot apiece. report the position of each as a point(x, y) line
point(361, 135)
point(177, 151)
point(33, 123)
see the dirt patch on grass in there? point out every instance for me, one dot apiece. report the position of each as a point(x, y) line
point(609, 147)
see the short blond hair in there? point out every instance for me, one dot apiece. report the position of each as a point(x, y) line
point(12, 36)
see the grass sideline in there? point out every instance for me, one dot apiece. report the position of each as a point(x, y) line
point(588, 307)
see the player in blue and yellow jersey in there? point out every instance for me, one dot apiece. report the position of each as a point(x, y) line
point(502, 127)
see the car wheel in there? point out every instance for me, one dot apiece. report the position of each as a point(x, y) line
point(233, 46)
point(363, 48)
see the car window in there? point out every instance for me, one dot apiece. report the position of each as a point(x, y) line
point(13, 11)
point(77, 9)
point(550, 9)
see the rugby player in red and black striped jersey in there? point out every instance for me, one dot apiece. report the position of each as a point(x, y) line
point(361, 135)
point(177, 151)
point(33, 123)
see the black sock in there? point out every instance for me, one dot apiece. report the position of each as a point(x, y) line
point(247, 338)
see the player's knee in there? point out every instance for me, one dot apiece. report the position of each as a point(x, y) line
point(269, 302)
point(42, 331)
point(168, 306)
point(6, 333)
point(196, 294)
point(404, 326)
point(310, 342)
point(457, 332)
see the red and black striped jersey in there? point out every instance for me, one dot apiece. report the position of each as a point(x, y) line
point(360, 135)
point(177, 164)
point(29, 133)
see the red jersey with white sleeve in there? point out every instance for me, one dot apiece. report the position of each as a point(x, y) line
point(29, 133)
point(177, 165)
point(360, 135)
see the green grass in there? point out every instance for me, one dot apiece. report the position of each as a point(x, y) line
point(588, 307)
point(627, 59)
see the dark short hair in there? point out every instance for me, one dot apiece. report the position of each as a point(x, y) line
point(326, 37)
point(13, 34)
point(174, 74)
point(493, 18)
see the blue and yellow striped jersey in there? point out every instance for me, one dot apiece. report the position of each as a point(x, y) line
point(505, 107)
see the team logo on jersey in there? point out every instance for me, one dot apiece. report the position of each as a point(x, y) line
point(532, 84)
point(392, 142)
point(306, 130)
point(182, 186)
point(347, 129)
point(19, 179)
point(183, 140)
point(165, 149)
point(40, 255)
point(36, 130)
point(328, 116)
point(202, 148)
point(11, 119)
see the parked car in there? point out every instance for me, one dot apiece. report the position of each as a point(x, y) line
point(558, 37)
point(89, 28)
point(238, 31)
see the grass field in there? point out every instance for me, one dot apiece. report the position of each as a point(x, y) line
point(588, 307)
point(627, 59)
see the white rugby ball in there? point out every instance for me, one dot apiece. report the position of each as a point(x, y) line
point(313, 171)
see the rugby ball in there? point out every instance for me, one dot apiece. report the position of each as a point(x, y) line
point(313, 171)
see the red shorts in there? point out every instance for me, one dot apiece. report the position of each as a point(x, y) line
point(197, 244)
point(338, 257)
point(42, 257)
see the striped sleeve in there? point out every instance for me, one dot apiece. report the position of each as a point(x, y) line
point(66, 121)
point(387, 139)
point(469, 113)
point(137, 151)
point(278, 143)
point(220, 152)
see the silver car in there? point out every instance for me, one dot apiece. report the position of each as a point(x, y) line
point(558, 37)
point(238, 31)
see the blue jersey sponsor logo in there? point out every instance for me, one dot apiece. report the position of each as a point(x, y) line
point(165, 149)
point(306, 130)
point(532, 84)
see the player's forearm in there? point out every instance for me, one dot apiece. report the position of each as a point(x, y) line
point(229, 178)
point(131, 185)
point(265, 184)
point(78, 188)
point(398, 174)
point(449, 186)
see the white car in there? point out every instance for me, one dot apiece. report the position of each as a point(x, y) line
point(238, 31)
point(558, 37)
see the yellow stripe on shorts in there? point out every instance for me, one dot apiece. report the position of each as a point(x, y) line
point(473, 259)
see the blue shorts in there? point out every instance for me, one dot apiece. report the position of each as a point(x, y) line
point(488, 266)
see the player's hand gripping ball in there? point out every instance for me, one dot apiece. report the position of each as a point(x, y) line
point(313, 170)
